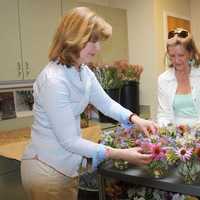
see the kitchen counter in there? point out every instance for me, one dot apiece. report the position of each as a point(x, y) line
point(18, 135)
point(13, 143)
point(137, 175)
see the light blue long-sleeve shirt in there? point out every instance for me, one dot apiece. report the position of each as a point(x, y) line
point(60, 95)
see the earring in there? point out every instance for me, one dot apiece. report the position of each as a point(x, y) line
point(191, 62)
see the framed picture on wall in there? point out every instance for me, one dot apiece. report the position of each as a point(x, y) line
point(176, 22)
point(173, 21)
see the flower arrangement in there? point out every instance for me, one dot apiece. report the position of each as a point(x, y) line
point(112, 75)
point(156, 146)
point(121, 190)
point(108, 76)
point(129, 71)
point(171, 146)
point(119, 138)
point(186, 151)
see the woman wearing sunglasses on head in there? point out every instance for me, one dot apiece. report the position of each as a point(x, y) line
point(50, 163)
point(179, 86)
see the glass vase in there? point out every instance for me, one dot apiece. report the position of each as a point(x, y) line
point(189, 171)
point(158, 169)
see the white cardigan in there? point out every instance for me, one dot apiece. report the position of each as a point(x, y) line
point(60, 96)
point(167, 85)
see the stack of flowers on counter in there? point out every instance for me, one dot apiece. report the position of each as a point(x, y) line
point(116, 190)
point(171, 148)
point(186, 151)
point(120, 138)
point(157, 147)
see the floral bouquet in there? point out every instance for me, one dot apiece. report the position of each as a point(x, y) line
point(186, 149)
point(157, 146)
point(171, 146)
point(183, 150)
point(120, 138)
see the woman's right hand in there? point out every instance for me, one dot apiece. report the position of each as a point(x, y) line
point(133, 155)
point(144, 125)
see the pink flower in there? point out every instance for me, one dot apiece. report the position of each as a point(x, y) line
point(158, 152)
point(184, 154)
point(146, 147)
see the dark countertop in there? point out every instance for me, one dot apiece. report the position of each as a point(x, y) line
point(136, 175)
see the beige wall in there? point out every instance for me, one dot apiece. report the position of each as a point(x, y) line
point(141, 35)
point(99, 2)
point(195, 19)
point(178, 8)
point(141, 42)
point(162, 8)
point(146, 28)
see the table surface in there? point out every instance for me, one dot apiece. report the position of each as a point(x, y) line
point(13, 143)
point(138, 176)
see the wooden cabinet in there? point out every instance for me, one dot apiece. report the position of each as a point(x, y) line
point(10, 51)
point(27, 28)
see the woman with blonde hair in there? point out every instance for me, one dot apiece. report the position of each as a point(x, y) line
point(179, 86)
point(50, 163)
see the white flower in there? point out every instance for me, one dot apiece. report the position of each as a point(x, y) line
point(178, 197)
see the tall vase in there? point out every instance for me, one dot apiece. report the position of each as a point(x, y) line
point(189, 171)
point(130, 96)
point(115, 95)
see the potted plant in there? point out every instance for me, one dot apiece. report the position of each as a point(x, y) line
point(130, 75)
point(110, 80)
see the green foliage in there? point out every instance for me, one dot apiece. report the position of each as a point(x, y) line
point(158, 168)
point(129, 74)
point(190, 171)
point(119, 138)
point(172, 157)
point(169, 131)
point(109, 77)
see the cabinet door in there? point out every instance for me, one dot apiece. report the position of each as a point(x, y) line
point(39, 20)
point(10, 63)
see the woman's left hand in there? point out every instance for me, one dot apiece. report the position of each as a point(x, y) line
point(147, 126)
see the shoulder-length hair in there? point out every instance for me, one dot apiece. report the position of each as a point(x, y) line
point(79, 26)
point(188, 44)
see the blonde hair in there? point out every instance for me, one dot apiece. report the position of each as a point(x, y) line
point(79, 26)
point(188, 44)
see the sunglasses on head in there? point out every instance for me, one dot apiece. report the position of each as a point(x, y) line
point(179, 33)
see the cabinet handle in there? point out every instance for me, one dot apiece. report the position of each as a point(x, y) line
point(19, 69)
point(27, 68)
